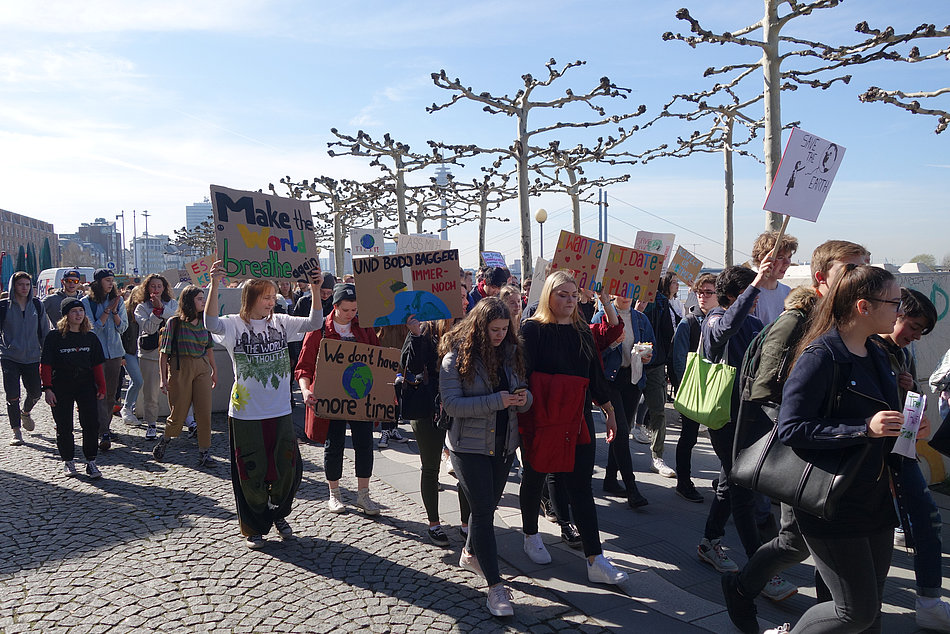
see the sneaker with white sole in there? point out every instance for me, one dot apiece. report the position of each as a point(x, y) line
point(785, 628)
point(934, 617)
point(535, 550)
point(69, 469)
point(151, 433)
point(437, 535)
point(92, 470)
point(254, 542)
point(777, 589)
point(470, 563)
point(383, 441)
point(192, 429)
point(17, 439)
point(128, 416)
point(711, 552)
point(27, 422)
point(603, 571)
point(641, 435)
point(283, 528)
point(365, 503)
point(335, 503)
point(499, 601)
point(395, 436)
point(662, 468)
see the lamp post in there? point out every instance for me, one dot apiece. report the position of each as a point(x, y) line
point(122, 237)
point(541, 216)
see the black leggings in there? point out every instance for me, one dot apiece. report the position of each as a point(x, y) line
point(361, 433)
point(689, 434)
point(578, 491)
point(624, 397)
point(83, 395)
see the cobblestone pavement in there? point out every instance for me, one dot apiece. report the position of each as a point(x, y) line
point(155, 546)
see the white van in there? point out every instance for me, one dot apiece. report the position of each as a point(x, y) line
point(51, 280)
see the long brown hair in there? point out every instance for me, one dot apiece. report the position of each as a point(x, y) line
point(471, 343)
point(252, 291)
point(544, 315)
point(837, 309)
point(140, 294)
point(63, 325)
point(186, 303)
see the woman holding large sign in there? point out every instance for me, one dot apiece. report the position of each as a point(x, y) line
point(265, 459)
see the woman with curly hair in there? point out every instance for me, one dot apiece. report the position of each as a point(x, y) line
point(106, 310)
point(482, 383)
point(155, 307)
point(565, 373)
point(265, 459)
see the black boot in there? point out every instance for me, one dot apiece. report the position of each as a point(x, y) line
point(634, 498)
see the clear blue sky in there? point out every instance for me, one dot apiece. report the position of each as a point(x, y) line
point(111, 105)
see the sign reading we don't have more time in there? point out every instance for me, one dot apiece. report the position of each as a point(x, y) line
point(260, 236)
point(356, 381)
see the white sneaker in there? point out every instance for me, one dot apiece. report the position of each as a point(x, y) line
point(27, 422)
point(128, 417)
point(365, 503)
point(499, 601)
point(17, 439)
point(661, 467)
point(535, 550)
point(470, 563)
point(603, 571)
point(777, 589)
point(383, 441)
point(641, 435)
point(711, 552)
point(935, 617)
point(781, 629)
point(335, 503)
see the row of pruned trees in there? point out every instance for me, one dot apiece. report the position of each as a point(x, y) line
point(590, 148)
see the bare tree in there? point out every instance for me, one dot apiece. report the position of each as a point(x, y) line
point(519, 107)
point(910, 101)
point(398, 154)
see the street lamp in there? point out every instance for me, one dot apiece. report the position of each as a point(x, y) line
point(541, 216)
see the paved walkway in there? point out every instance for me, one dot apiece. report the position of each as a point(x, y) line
point(155, 547)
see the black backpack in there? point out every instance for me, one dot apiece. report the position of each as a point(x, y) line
point(40, 314)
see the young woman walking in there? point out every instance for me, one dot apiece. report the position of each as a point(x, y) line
point(155, 308)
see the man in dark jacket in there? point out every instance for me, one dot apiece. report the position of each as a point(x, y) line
point(53, 301)
point(489, 286)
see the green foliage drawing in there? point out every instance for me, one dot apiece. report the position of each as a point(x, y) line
point(276, 366)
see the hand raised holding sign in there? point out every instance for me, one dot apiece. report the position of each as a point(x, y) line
point(316, 279)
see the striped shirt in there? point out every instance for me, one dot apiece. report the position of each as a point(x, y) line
point(190, 341)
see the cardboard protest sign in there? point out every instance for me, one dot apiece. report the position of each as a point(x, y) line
point(685, 265)
point(389, 288)
point(537, 280)
point(200, 270)
point(493, 258)
point(366, 241)
point(174, 276)
point(263, 237)
point(631, 273)
point(624, 271)
point(804, 176)
point(417, 242)
point(356, 381)
point(661, 243)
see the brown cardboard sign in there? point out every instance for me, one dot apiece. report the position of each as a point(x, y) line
point(354, 381)
point(685, 265)
point(622, 270)
point(390, 288)
point(260, 236)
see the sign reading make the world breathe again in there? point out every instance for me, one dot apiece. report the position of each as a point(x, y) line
point(263, 237)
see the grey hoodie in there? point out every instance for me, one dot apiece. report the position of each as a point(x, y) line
point(18, 340)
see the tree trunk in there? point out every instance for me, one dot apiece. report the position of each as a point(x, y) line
point(523, 202)
point(771, 68)
point(420, 216)
point(338, 243)
point(401, 195)
point(575, 199)
point(730, 192)
point(482, 222)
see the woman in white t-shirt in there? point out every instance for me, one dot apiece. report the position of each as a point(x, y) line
point(265, 459)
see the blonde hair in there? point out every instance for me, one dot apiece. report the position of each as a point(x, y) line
point(766, 242)
point(250, 293)
point(63, 324)
point(544, 315)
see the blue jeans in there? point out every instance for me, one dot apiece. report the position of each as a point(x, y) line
point(925, 524)
point(135, 381)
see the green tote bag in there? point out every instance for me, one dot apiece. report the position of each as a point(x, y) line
point(705, 394)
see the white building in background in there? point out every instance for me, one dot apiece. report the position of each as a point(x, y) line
point(151, 254)
point(196, 213)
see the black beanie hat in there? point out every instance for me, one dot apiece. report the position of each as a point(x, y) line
point(328, 280)
point(342, 292)
point(102, 273)
point(70, 303)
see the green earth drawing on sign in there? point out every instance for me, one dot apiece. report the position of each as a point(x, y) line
point(357, 380)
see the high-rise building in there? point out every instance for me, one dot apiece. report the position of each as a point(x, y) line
point(197, 213)
point(149, 253)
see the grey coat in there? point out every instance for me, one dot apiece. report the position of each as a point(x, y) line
point(474, 406)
